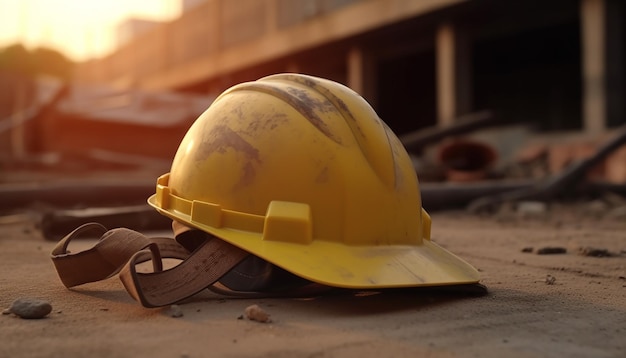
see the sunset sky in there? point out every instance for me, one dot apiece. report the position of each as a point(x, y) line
point(81, 29)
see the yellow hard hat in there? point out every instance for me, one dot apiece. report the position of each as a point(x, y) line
point(300, 171)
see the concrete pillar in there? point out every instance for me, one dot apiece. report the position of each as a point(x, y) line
point(464, 70)
point(445, 60)
point(17, 120)
point(615, 62)
point(361, 75)
point(355, 70)
point(454, 73)
point(592, 14)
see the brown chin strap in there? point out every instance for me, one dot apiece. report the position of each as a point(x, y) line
point(205, 260)
point(121, 250)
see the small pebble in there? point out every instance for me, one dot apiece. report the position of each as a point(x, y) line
point(614, 199)
point(527, 249)
point(597, 208)
point(256, 313)
point(551, 250)
point(30, 308)
point(595, 252)
point(175, 311)
point(532, 208)
point(618, 213)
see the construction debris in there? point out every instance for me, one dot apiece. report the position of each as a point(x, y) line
point(56, 224)
point(467, 160)
point(416, 141)
point(556, 185)
point(69, 193)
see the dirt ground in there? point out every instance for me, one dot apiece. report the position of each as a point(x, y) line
point(562, 305)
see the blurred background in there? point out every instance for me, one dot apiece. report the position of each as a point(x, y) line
point(91, 86)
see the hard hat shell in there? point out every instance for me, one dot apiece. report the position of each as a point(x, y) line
point(301, 172)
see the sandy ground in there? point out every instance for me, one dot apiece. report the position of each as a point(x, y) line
point(582, 314)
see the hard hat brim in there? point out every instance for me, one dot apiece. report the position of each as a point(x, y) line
point(348, 266)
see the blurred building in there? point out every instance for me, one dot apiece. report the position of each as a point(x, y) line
point(17, 93)
point(130, 29)
point(558, 64)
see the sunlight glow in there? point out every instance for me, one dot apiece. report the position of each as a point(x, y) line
point(81, 29)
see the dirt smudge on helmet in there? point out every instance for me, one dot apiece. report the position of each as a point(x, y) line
point(301, 100)
point(364, 136)
point(247, 176)
point(322, 177)
point(265, 121)
point(304, 103)
point(220, 140)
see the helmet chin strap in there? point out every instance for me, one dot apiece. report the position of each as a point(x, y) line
point(121, 250)
point(251, 276)
point(205, 260)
